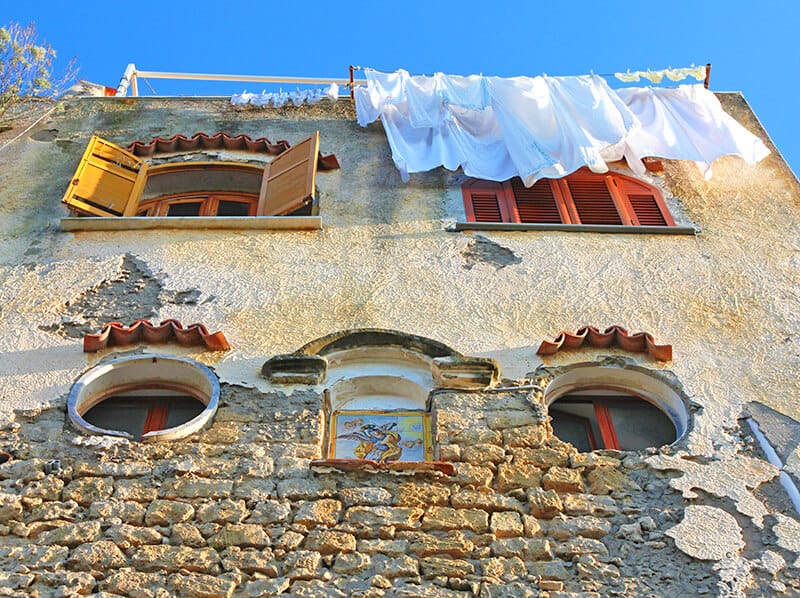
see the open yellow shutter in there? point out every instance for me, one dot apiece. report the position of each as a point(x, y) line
point(289, 179)
point(108, 181)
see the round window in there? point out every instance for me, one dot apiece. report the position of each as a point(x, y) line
point(144, 397)
point(601, 407)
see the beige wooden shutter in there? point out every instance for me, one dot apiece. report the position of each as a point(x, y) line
point(107, 182)
point(289, 179)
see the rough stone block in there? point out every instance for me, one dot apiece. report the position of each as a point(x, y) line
point(288, 541)
point(506, 524)
point(100, 555)
point(562, 479)
point(240, 534)
point(445, 518)
point(129, 536)
point(270, 511)
point(223, 511)
point(350, 563)
point(387, 547)
point(72, 534)
point(10, 507)
point(433, 567)
point(330, 542)
point(134, 489)
point(306, 489)
point(85, 491)
point(548, 569)
point(250, 561)
point(135, 584)
point(186, 534)
point(325, 512)
point(586, 526)
point(302, 564)
point(580, 546)
point(482, 454)
point(526, 436)
point(501, 420)
point(505, 569)
point(48, 488)
point(544, 504)
point(196, 488)
point(174, 558)
point(525, 548)
point(588, 504)
point(127, 511)
point(255, 489)
point(472, 475)
point(518, 475)
point(265, 587)
point(202, 586)
point(485, 499)
point(415, 494)
point(400, 517)
point(605, 480)
point(588, 461)
point(365, 496)
point(454, 544)
point(167, 512)
point(394, 567)
point(543, 457)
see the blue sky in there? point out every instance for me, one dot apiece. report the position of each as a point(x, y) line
point(752, 47)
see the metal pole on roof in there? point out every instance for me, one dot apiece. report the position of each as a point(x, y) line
point(125, 81)
point(708, 75)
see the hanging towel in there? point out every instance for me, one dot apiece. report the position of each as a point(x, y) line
point(685, 123)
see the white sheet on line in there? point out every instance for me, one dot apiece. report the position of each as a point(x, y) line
point(534, 127)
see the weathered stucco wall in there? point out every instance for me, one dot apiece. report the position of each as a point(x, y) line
point(726, 299)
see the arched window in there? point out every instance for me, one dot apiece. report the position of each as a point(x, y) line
point(581, 198)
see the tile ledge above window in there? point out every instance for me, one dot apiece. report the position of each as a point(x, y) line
point(582, 228)
point(104, 223)
point(396, 467)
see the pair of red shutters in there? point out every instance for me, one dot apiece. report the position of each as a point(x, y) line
point(580, 198)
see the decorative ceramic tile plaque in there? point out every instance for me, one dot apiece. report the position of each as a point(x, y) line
point(381, 436)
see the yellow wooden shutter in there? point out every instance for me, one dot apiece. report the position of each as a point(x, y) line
point(289, 179)
point(108, 181)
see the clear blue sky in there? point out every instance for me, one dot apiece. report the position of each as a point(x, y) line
point(753, 46)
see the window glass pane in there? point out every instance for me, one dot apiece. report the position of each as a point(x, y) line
point(233, 208)
point(183, 409)
point(185, 209)
point(122, 414)
point(571, 428)
point(640, 425)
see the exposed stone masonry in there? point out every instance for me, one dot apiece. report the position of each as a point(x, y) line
point(237, 510)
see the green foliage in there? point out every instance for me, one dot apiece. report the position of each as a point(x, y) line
point(26, 67)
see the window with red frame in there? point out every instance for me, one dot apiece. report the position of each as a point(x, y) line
point(582, 197)
point(610, 421)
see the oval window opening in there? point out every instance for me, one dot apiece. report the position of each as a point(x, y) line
point(592, 420)
point(146, 398)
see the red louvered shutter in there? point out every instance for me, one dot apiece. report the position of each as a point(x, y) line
point(484, 202)
point(592, 200)
point(536, 203)
point(646, 210)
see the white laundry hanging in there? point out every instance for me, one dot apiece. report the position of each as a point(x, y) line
point(534, 127)
point(685, 123)
point(496, 128)
point(278, 99)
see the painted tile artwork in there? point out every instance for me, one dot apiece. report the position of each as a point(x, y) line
point(381, 436)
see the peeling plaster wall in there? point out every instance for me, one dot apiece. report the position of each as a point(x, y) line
point(726, 299)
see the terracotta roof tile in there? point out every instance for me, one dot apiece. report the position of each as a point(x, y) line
point(202, 141)
point(640, 342)
point(117, 334)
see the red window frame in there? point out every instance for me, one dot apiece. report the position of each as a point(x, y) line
point(583, 197)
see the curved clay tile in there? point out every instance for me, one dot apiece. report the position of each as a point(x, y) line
point(117, 334)
point(201, 141)
point(640, 342)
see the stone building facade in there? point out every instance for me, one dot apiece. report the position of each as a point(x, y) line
point(390, 298)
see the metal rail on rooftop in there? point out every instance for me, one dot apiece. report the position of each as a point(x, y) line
point(132, 74)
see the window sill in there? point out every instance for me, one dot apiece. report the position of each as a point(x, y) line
point(583, 228)
point(111, 223)
point(400, 467)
